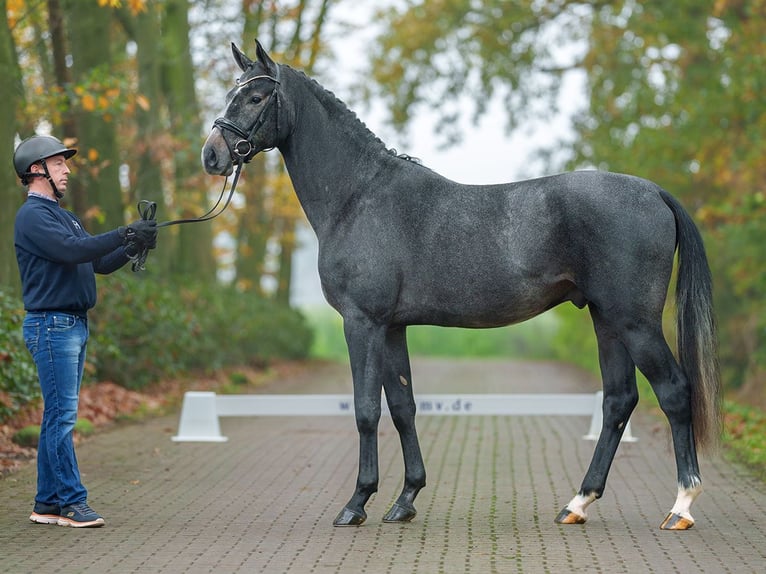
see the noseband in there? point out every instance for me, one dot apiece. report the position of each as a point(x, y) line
point(245, 146)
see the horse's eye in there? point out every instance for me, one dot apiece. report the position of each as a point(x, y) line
point(256, 99)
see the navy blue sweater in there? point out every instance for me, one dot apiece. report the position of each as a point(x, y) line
point(58, 259)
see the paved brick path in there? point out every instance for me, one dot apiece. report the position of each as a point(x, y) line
point(265, 500)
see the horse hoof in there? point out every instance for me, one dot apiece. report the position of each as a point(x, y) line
point(676, 522)
point(348, 517)
point(399, 513)
point(566, 516)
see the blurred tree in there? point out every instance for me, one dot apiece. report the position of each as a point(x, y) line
point(57, 71)
point(193, 256)
point(10, 188)
point(144, 28)
point(151, 140)
point(93, 47)
point(431, 53)
point(675, 94)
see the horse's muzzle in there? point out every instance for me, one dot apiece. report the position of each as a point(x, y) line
point(216, 158)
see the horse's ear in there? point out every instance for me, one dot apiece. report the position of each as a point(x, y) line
point(264, 58)
point(242, 61)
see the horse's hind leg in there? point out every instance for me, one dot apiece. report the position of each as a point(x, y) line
point(620, 398)
point(673, 390)
point(398, 386)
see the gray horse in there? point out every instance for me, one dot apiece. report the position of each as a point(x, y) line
point(401, 245)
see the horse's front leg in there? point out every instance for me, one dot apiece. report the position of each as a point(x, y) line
point(401, 403)
point(365, 348)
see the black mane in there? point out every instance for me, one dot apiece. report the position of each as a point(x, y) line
point(330, 100)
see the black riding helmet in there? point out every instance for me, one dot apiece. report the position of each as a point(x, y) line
point(37, 148)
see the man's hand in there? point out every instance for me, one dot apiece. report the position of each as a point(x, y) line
point(132, 249)
point(142, 232)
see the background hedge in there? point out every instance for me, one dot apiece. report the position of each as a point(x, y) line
point(143, 331)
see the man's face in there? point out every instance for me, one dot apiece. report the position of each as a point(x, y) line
point(58, 170)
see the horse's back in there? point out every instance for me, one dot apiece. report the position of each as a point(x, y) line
point(611, 207)
point(562, 220)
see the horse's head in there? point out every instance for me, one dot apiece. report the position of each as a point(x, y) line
point(250, 121)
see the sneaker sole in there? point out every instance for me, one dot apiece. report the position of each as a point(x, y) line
point(61, 521)
point(44, 518)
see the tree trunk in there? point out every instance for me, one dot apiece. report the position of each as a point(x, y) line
point(286, 250)
point(11, 190)
point(148, 177)
point(97, 178)
point(194, 254)
point(254, 228)
point(68, 129)
point(152, 142)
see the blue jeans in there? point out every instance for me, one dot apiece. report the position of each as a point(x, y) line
point(57, 342)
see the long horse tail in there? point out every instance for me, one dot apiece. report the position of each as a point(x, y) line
point(696, 328)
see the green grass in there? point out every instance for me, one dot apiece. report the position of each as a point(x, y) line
point(29, 436)
point(744, 436)
point(530, 340)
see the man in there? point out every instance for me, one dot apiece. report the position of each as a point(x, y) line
point(57, 261)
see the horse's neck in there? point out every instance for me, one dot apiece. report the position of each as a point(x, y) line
point(330, 155)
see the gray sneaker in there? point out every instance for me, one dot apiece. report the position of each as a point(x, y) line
point(80, 515)
point(45, 513)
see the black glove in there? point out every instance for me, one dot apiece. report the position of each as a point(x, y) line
point(132, 249)
point(143, 232)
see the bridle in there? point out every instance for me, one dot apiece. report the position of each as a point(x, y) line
point(241, 150)
point(245, 146)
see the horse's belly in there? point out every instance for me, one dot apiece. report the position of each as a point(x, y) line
point(474, 287)
point(482, 305)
